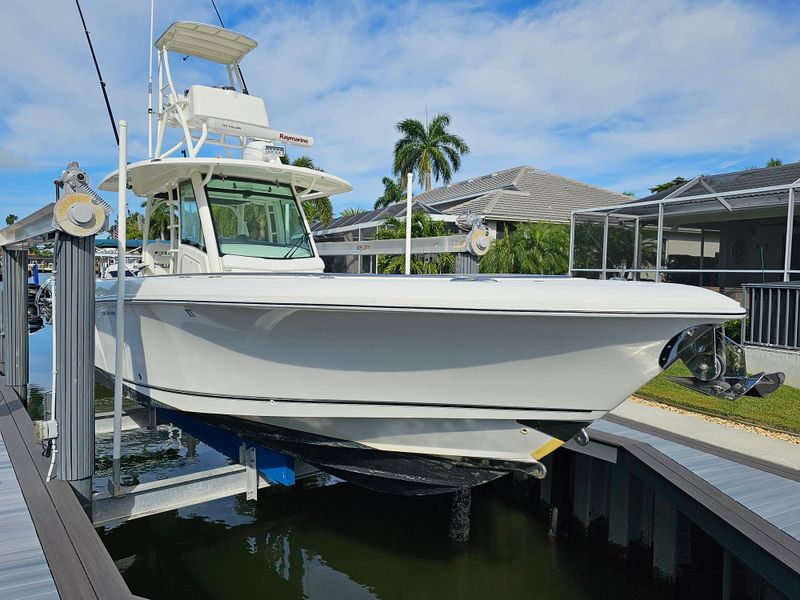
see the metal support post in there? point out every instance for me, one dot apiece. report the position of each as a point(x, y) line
point(359, 258)
point(2, 327)
point(409, 191)
point(15, 312)
point(119, 362)
point(702, 252)
point(637, 259)
point(605, 247)
point(659, 241)
point(247, 458)
point(787, 260)
point(571, 244)
point(466, 263)
point(74, 380)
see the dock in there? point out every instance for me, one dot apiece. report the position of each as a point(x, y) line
point(651, 477)
point(55, 552)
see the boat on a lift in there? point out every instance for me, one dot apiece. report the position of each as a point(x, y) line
point(416, 384)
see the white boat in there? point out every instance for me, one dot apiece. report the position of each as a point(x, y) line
point(414, 384)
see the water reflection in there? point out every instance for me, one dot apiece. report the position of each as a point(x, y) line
point(345, 542)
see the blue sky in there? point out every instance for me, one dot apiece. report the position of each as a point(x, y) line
point(621, 94)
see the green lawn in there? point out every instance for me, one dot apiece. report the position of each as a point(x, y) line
point(779, 410)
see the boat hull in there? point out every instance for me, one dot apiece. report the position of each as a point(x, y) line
point(458, 383)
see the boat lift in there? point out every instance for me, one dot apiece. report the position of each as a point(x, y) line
point(71, 223)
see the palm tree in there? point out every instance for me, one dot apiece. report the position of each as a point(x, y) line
point(427, 151)
point(392, 192)
point(352, 211)
point(159, 222)
point(774, 162)
point(541, 248)
point(320, 209)
point(11, 219)
point(421, 226)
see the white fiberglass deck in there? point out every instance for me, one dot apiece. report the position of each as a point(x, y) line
point(24, 572)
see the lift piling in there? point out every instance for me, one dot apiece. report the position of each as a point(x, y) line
point(74, 383)
point(15, 315)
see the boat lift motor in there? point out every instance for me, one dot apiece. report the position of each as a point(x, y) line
point(717, 363)
point(80, 211)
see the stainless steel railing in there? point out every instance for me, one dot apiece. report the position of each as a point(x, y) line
point(773, 314)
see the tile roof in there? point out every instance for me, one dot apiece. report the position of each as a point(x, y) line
point(537, 195)
point(518, 194)
point(473, 187)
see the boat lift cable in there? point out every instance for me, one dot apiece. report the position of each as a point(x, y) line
point(99, 75)
point(238, 68)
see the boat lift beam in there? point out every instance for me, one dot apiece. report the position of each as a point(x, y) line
point(164, 495)
point(33, 229)
point(428, 245)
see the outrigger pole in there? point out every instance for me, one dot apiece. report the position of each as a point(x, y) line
point(99, 75)
point(238, 68)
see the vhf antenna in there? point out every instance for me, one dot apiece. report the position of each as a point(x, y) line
point(99, 75)
point(238, 68)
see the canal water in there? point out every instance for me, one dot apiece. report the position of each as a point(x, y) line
point(326, 539)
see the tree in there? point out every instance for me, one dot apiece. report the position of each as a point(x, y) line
point(159, 222)
point(421, 226)
point(392, 193)
point(320, 209)
point(665, 186)
point(428, 151)
point(774, 162)
point(541, 248)
point(352, 211)
point(629, 194)
point(132, 229)
point(11, 219)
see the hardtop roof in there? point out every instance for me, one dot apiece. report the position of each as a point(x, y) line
point(219, 45)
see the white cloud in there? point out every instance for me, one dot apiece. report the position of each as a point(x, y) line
point(621, 93)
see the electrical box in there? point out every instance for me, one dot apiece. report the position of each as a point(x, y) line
point(45, 430)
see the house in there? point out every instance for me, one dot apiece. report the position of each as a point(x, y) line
point(718, 231)
point(504, 198)
point(736, 233)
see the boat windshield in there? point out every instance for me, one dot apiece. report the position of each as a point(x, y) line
point(257, 219)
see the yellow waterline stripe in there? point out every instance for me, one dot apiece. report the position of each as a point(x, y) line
point(553, 444)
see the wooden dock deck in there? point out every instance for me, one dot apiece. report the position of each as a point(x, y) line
point(49, 548)
point(23, 568)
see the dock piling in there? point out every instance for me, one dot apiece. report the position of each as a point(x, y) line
point(15, 313)
point(74, 337)
point(459, 515)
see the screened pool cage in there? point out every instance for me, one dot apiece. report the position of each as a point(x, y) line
point(719, 240)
